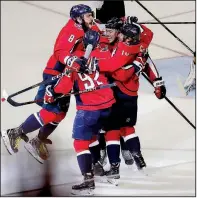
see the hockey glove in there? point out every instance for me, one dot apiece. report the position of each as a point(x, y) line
point(91, 37)
point(50, 96)
point(139, 63)
point(76, 64)
point(160, 89)
point(131, 19)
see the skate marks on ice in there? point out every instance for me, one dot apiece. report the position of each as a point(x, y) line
point(170, 181)
point(168, 175)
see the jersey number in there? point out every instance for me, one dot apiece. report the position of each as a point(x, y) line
point(89, 84)
point(70, 39)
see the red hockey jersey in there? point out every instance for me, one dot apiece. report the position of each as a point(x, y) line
point(126, 79)
point(95, 100)
point(68, 38)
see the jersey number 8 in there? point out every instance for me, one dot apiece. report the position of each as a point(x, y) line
point(70, 39)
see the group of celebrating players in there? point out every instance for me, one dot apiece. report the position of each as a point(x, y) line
point(118, 57)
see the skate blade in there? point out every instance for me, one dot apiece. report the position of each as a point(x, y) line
point(144, 172)
point(100, 179)
point(113, 181)
point(31, 150)
point(85, 192)
point(106, 180)
point(6, 142)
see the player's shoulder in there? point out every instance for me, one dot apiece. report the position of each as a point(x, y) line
point(72, 27)
point(131, 49)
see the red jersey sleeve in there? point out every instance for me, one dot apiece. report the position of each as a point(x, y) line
point(124, 73)
point(70, 34)
point(123, 55)
point(65, 84)
point(152, 73)
point(146, 36)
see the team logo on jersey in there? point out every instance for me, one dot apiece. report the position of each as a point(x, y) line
point(78, 26)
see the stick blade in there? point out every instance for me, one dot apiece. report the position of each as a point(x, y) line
point(5, 95)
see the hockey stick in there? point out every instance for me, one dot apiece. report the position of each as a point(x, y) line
point(48, 81)
point(164, 26)
point(168, 100)
point(18, 104)
point(175, 23)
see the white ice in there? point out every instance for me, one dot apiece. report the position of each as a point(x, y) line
point(168, 142)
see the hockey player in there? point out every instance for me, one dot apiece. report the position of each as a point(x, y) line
point(124, 111)
point(93, 108)
point(122, 54)
point(113, 27)
point(48, 118)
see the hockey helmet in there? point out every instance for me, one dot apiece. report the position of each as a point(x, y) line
point(131, 31)
point(114, 23)
point(79, 10)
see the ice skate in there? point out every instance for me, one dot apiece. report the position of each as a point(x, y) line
point(86, 187)
point(38, 149)
point(139, 161)
point(113, 174)
point(126, 154)
point(12, 138)
point(99, 172)
point(98, 169)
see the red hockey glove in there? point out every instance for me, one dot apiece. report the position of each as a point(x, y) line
point(160, 89)
point(50, 95)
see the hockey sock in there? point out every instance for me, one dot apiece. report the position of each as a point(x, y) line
point(123, 144)
point(131, 139)
point(95, 151)
point(84, 157)
point(32, 123)
point(85, 162)
point(102, 142)
point(113, 145)
point(113, 152)
point(46, 130)
point(133, 144)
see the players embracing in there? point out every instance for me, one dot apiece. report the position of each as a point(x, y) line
point(119, 60)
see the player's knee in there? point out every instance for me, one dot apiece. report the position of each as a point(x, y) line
point(113, 135)
point(81, 145)
point(127, 132)
point(60, 116)
point(48, 116)
point(94, 141)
